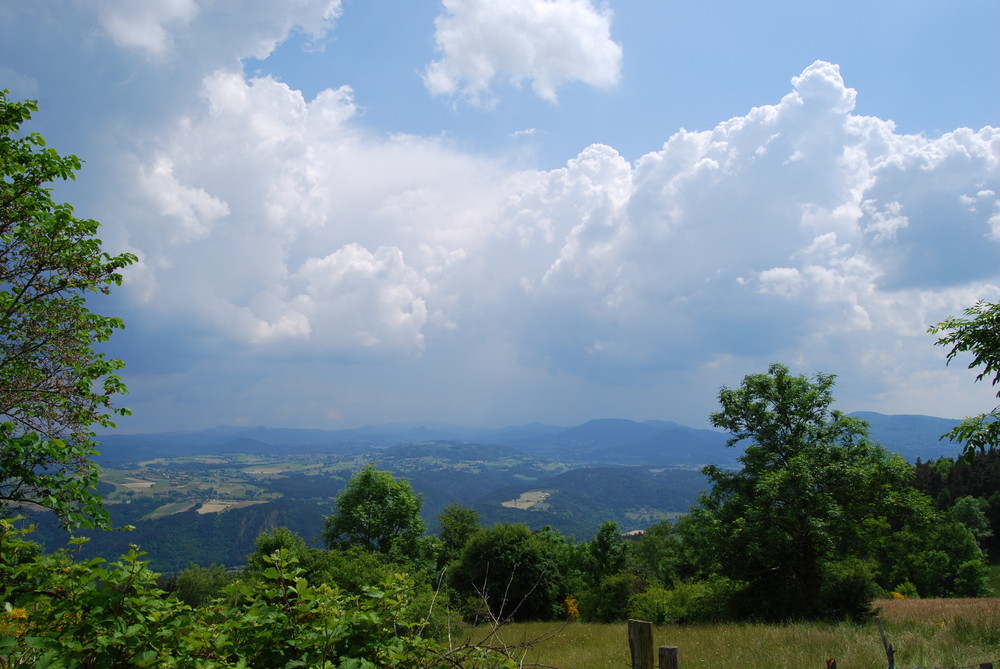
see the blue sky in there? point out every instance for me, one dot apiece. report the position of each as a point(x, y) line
point(537, 210)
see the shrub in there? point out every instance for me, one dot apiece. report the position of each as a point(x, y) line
point(97, 614)
point(905, 590)
point(849, 588)
point(708, 600)
point(196, 585)
point(609, 601)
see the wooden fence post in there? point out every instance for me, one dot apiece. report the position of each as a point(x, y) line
point(668, 657)
point(640, 642)
point(890, 652)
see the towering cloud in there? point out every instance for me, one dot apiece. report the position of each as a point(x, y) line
point(290, 250)
point(798, 231)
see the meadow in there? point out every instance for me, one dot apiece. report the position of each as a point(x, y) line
point(935, 633)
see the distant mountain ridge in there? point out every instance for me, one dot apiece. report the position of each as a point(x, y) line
point(911, 435)
point(625, 442)
point(606, 441)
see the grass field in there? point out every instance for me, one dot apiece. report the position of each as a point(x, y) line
point(528, 500)
point(924, 632)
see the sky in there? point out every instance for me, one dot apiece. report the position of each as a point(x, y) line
point(353, 212)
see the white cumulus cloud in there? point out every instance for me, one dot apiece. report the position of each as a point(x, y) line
point(145, 25)
point(795, 232)
point(799, 232)
point(251, 27)
point(194, 209)
point(271, 219)
point(549, 42)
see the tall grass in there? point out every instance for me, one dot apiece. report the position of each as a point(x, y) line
point(925, 633)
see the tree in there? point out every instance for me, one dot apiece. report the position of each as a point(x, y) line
point(609, 580)
point(53, 385)
point(377, 512)
point(606, 553)
point(806, 519)
point(196, 586)
point(971, 512)
point(979, 334)
point(516, 574)
point(268, 542)
point(458, 524)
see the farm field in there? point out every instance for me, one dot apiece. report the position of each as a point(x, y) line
point(924, 632)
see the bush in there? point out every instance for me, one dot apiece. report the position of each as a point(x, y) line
point(514, 572)
point(609, 601)
point(652, 605)
point(196, 586)
point(905, 590)
point(849, 589)
point(971, 579)
point(702, 601)
point(97, 614)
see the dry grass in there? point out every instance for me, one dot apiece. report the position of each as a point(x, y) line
point(138, 484)
point(925, 633)
point(944, 632)
point(937, 610)
point(528, 500)
point(168, 510)
point(217, 506)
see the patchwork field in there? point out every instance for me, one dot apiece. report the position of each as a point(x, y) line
point(182, 492)
point(211, 484)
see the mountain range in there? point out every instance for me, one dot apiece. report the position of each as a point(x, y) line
point(599, 441)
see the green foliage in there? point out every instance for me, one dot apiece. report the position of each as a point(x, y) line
point(272, 540)
point(993, 581)
point(17, 552)
point(85, 613)
point(971, 512)
point(608, 581)
point(508, 572)
point(849, 587)
point(967, 490)
point(608, 599)
point(53, 385)
point(606, 553)
point(978, 333)
point(907, 590)
point(940, 558)
point(659, 553)
point(458, 524)
point(701, 601)
point(196, 586)
point(377, 512)
point(351, 571)
point(285, 621)
point(816, 509)
point(95, 614)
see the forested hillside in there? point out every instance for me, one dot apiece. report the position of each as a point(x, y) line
point(208, 509)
